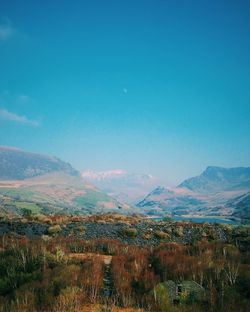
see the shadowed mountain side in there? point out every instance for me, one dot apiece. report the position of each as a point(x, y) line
point(16, 164)
point(241, 206)
point(216, 192)
point(216, 179)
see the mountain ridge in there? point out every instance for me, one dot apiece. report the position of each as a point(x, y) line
point(214, 192)
point(215, 178)
point(17, 164)
point(47, 184)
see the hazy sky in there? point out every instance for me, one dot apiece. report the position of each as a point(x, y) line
point(160, 87)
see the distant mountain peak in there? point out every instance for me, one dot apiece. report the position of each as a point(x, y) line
point(212, 168)
point(91, 174)
point(116, 174)
point(123, 185)
point(215, 179)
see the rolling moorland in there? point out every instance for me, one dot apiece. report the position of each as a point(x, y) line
point(58, 254)
point(112, 262)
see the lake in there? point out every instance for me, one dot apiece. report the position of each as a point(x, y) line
point(203, 219)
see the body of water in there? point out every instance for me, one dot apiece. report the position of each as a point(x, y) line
point(202, 219)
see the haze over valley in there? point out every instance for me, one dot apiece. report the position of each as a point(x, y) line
point(129, 187)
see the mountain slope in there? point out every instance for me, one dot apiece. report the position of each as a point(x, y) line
point(217, 179)
point(47, 184)
point(217, 191)
point(241, 205)
point(170, 201)
point(16, 164)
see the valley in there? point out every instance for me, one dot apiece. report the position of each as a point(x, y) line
point(66, 245)
point(47, 185)
point(124, 156)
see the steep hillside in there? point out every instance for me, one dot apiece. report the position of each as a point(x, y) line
point(171, 201)
point(241, 205)
point(46, 184)
point(16, 164)
point(217, 179)
point(216, 192)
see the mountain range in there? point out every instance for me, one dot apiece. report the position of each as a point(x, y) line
point(215, 192)
point(217, 179)
point(47, 184)
point(124, 186)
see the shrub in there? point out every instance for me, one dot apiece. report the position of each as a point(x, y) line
point(162, 299)
point(69, 300)
point(54, 229)
point(147, 236)
point(178, 231)
point(131, 232)
point(26, 212)
point(46, 238)
point(161, 235)
point(81, 229)
point(42, 218)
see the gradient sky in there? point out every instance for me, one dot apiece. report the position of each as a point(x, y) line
point(160, 87)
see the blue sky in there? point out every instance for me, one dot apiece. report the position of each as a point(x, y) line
point(160, 87)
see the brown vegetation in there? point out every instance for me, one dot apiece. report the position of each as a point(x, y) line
point(56, 273)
